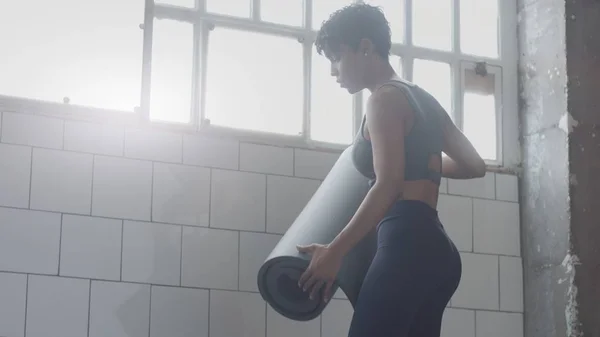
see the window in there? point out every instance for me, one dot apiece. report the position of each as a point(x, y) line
point(432, 24)
point(251, 66)
point(171, 85)
point(331, 110)
point(480, 106)
point(70, 51)
point(436, 79)
point(260, 91)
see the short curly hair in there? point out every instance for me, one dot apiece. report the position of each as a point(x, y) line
point(349, 25)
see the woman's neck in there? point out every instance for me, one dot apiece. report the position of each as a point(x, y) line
point(382, 73)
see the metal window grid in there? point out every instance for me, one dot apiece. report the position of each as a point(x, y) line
point(203, 21)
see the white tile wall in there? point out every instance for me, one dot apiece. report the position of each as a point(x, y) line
point(57, 306)
point(151, 253)
point(238, 200)
point(237, 314)
point(91, 247)
point(478, 188)
point(456, 215)
point(122, 188)
point(94, 138)
point(179, 312)
point(507, 187)
point(496, 227)
point(13, 292)
point(511, 283)
point(153, 145)
point(278, 325)
point(29, 241)
point(152, 233)
point(210, 258)
point(119, 309)
point(210, 152)
point(61, 181)
point(458, 323)
point(181, 194)
point(286, 197)
point(479, 287)
point(26, 129)
point(266, 159)
point(15, 175)
point(499, 324)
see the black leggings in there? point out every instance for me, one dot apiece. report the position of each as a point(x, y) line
point(415, 272)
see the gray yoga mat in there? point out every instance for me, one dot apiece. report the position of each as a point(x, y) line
point(324, 216)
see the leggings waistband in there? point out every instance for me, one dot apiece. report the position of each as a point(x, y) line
point(412, 207)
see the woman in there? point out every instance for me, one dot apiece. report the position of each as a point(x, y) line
point(417, 267)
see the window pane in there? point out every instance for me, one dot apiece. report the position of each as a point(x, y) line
point(432, 24)
point(230, 7)
point(479, 117)
point(322, 9)
point(254, 81)
point(288, 12)
point(331, 106)
point(172, 57)
point(394, 13)
point(435, 77)
point(88, 51)
point(180, 3)
point(396, 62)
point(479, 27)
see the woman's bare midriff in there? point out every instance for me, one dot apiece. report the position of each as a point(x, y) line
point(421, 190)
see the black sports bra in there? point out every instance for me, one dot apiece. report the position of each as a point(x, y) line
point(424, 139)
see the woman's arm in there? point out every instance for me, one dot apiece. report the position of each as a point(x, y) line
point(387, 110)
point(463, 161)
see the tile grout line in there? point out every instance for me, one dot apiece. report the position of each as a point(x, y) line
point(150, 312)
point(321, 325)
point(293, 162)
point(499, 285)
point(475, 322)
point(26, 300)
point(266, 199)
point(181, 257)
point(123, 156)
point(472, 251)
point(30, 177)
point(221, 289)
point(60, 234)
point(92, 187)
point(472, 225)
point(89, 309)
point(495, 187)
point(64, 126)
point(123, 149)
point(152, 191)
point(208, 318)
point(239, 156)
point(122, 239)
point(239, 235)
point(210, 196)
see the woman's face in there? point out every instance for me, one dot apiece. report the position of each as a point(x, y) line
point(349, 68)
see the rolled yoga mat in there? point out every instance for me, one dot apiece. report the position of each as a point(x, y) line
point(324, 216)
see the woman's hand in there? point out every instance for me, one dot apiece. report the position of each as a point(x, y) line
point(322, 270)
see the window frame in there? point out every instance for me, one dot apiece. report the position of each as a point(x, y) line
point(507, 106)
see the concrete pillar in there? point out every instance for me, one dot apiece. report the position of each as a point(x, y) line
point(560, 186)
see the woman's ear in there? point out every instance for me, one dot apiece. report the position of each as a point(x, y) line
point(365, 47)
